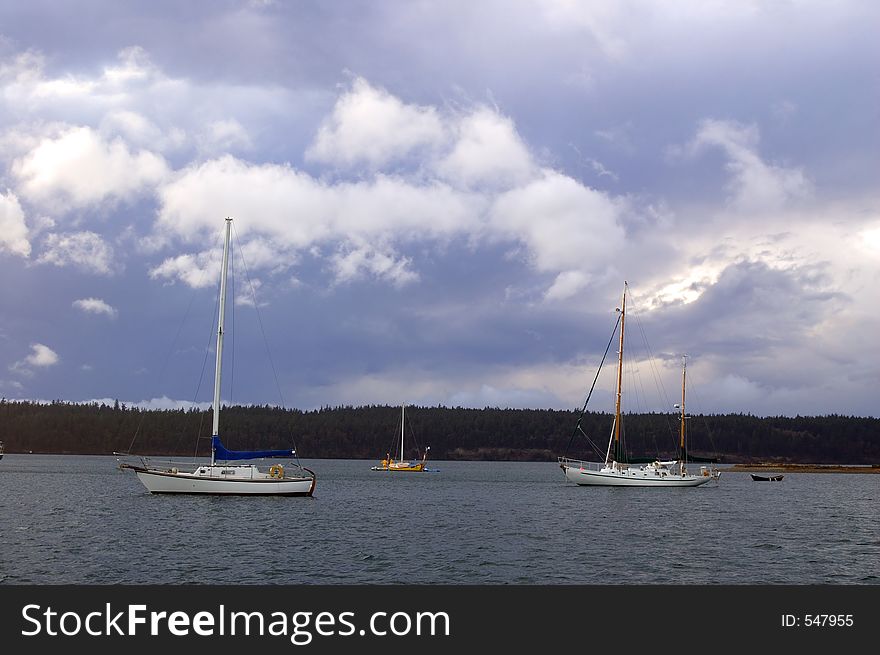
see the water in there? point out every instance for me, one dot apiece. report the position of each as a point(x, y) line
point(80, 520)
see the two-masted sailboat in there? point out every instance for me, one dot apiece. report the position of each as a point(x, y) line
point(220, 477)
point(618, 470)
point(402, 464)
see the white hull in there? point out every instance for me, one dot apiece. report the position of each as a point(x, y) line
point(630, 477)
point(207, 480)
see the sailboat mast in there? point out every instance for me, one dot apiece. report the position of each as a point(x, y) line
point(619, 376)
point(681, 451)
point(683, 379)
point(219, 362)
point(402, 407)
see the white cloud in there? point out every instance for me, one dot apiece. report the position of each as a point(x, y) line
point(222, 136)
point(869, 238)
point(264, 254)
point(249, 294)
point(13, 230)
point(566, 285)
point(160, 403)
point(566, 226)
point(15, 385)
point(754, 184)
point(84, 250)
point(198, 271)
point(406, 208)
point(269, 198)
point(25, 88)
point(138, 130)
point(369, 125)
point(352, 262)
point(78, 169)
point(604, 22)
point(41, 356)
point(118, 94)
point(133, 65)
point(560, 386)
point(164, 402)
point(279, 210)
point(488, 396)
point(134, 103)
point(487, 151)
point(95, 306)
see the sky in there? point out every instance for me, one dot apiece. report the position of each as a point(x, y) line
point(438, 203)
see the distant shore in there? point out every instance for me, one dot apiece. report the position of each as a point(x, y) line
point(804, 468)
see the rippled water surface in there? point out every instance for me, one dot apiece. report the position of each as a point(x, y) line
point(80, 520)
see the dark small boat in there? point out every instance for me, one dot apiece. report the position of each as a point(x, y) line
point(766, 478)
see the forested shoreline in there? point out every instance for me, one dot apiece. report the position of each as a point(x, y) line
point(456, 433)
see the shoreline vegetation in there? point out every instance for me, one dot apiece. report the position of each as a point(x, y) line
point(738, 442)
point(770, 467)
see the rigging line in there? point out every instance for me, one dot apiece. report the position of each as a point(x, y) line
point(412, 433)
point(640, 402)
point(262, 330)
point(593, 445)
point(658, 379)
point(693, 391)
point(231, 385)
point(639, 383)
point(211, 336)
point(395, 443)
point(593, 386)
point(173, 344)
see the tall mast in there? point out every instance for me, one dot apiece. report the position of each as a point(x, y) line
point(619, 375)
point(219, 362)
point(401, 430)
point(681, 451)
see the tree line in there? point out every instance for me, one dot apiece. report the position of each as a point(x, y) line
point(453, 433)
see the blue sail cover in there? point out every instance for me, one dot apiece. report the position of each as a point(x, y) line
point(221, 453)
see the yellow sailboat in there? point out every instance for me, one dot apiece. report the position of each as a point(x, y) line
point(402, 464)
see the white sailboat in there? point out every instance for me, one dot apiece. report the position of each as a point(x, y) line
point(616, 470)
point(220, 477)
point(402, 464)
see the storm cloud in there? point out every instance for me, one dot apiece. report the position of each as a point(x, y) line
point(438, 206)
